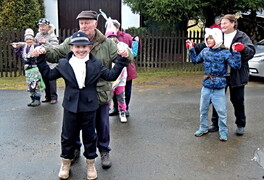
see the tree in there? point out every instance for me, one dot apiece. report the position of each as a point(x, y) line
point(168, 13)
point(18, 14)
point(171, 14)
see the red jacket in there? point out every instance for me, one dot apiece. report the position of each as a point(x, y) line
point(216, 26)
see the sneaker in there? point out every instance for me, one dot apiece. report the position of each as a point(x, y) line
point(29, 104)
point(213, 128)
point(122, 115)
point(113, 112)
point(223, 137)
point(200, 133)
point(240, 131)
point(105, 160)
point(34, 103)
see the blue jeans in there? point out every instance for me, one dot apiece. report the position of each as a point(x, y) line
point(218, 99)
point(237, 98)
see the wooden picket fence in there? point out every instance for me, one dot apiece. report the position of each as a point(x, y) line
point(158, 51)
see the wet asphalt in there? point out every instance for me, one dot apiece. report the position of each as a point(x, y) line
point(157, 142)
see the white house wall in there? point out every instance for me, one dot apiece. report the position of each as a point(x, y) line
point(128, 18)
point(51, 12)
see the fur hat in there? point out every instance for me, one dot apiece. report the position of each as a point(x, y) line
point(29, 33)
point(88, 15)
point(216, 34)
point(79, 38)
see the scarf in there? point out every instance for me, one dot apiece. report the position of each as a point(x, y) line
point(28, 51)
point(79, 68)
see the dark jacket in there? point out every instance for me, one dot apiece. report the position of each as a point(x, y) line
point(102, 49)
point(238, 77)
point(85, 99)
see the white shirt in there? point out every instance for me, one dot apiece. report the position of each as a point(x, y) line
point(228, 38)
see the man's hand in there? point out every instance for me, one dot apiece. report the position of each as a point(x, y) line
point(123, 52)
point(123, 49)
point(42, 40)
point(39, 50)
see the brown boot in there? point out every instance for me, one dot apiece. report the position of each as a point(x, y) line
point(65, 168)
point(91, 171)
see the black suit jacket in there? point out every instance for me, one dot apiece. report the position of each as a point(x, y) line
point(85, 99)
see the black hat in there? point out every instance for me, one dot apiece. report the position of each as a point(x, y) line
point(43, 21)
point(87, 15)
point(79, 38)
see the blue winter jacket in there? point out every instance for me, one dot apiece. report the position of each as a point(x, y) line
point(238, 77)
point(215, 65)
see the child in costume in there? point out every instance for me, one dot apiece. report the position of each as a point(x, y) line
point(35, 83)
point(215, 58)
point(81, 72)
point(119, 84)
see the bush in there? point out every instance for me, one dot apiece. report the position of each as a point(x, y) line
point(133, 31)
point(20, 14)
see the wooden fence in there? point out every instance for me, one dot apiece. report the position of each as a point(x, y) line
point(158, 51)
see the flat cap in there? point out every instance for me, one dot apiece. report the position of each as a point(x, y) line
point(88, 15)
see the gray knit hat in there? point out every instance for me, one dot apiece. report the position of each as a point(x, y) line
point(29, 33)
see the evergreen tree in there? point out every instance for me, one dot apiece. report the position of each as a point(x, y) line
point(19, 14)
point(175, 14)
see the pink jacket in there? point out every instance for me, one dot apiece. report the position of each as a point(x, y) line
point(131, 69)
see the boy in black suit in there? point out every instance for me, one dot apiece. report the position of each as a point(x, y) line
point(80, 71)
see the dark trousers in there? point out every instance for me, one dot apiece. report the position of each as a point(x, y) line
point(102, 129)
point(128, 92)
point(237, 99)
point(51, 89)
point(72, 124)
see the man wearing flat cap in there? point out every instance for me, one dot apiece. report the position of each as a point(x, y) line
point(102, 49)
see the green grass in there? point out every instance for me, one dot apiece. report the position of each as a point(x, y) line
point(146, 76)
point(19, 83)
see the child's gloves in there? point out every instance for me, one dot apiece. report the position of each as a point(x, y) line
point(238, 47)
point(189, 44)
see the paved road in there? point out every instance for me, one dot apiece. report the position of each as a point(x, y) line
point(156, 143)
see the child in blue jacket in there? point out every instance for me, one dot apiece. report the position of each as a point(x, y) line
point(216, 59)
